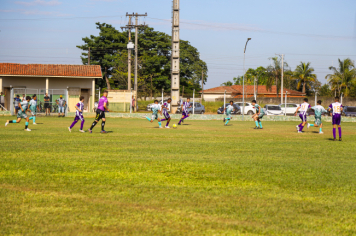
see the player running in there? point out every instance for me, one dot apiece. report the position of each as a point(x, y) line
point(78, 115)
point(23, 106)
point(258, 115)
point(303, 114)
point(165, 108)
point(184, 109)
point(319, 110)
point(229, 108)
point(33, 108)
point(100, 112)
point(336, 108)
point(155, 109)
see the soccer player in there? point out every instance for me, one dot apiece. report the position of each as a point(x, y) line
point(100, 112)
point(21, 114)
point(155, 109)
point(78, 115)
point(319, 110)
point(185, 113)
point(303, 114)
point(258, 116)
point(336, 108)
point(229, 108)
point(33, 108)
point(165, 107)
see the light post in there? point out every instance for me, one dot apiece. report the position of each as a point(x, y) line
point(316, 96)
point(243, 83)
point(285, 105)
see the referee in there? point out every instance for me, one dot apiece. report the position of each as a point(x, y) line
point(100, 112)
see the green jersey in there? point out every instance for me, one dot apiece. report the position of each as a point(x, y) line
point(155, 108)
point(258, 109)
point(33, 105)
point(319, 110)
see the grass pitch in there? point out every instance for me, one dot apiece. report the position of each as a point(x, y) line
point(200, 179)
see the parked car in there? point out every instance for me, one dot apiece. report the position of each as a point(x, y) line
point(249, 108)
point(198, 109)
point(236, 112)
point(148, 108)
point(289, 108)
point(273, 110)
point(349, 111)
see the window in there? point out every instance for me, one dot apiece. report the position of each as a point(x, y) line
point(292, 105)
point(283, 106)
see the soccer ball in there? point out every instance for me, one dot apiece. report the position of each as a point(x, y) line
point(175, 126)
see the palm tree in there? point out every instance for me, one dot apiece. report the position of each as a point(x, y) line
point(274, 72)
point(259, 75)
point(344, 77)
point(304, 74)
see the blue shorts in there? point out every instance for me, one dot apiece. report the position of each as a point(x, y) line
point(60, 109)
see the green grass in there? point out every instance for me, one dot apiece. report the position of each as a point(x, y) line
point(200, 179)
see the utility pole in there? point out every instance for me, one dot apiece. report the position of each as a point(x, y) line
point(89, 56)
point(202, 85)
point(136, 26)
point(282, 71)
point(175, 57)
point(129, 26)
point(243, 84)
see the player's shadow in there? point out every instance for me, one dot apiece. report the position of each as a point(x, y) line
point(109, 132)
point(315, 132)
point(186, 124)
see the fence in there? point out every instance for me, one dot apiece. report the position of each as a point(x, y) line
point(53, 94)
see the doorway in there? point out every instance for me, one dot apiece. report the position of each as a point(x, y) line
point(85, 94)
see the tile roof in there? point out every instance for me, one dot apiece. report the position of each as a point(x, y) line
point(236, 90)
point(50, 70)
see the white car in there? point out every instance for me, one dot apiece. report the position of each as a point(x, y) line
point(249, 108)
point(273, 110)
point(290, 109)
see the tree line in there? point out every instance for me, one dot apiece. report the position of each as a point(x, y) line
point(341, 80)
point(109, 50)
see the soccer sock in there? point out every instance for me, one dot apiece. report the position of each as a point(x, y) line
point(72, 125)
point(339, 132)
point(163, 119)
point(82, 124)
point(34, 119)
point(227, 120)
point(93, 125)
point(26, 125)
point(148, 118)
point(320, 130)
point(12, 121)
point(102, 125)
point(256, 123)
point(185, 117)
point(180, 120)
point(167, 123)
point(260, 124)
point(301, 127)
point(311, 124)
point(31, 118)
point(159, 123)
point(334, 133)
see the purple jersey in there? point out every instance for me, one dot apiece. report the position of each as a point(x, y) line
point(186, 105)
point(102, 100)
point(80, 106)
point(336, 106)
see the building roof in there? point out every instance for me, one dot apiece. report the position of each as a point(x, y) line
point(237, 91)
point(55, 70)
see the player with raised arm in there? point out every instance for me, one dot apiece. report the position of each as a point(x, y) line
point(258, 115)
point(303, 114)
point(23, 107)
point(165, 108)
point(155, 109)
point(78, 115)
point(319, 110)
point(336, 108)
point(33, 108)
point(229, 108)
point(100, 112)
point(185, 113)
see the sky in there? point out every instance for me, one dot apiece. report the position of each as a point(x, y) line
point(315, 31)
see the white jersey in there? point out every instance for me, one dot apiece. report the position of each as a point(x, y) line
point(304, 108)
point(336, 106)
point(80, 106)
point(155, 108)
point(33, 104)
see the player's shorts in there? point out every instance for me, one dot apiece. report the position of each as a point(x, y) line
point(303, 117)
point(60, 109)
point(79, 117)
point(228, 115)
point(154, 117)
point(33, 112)
point(317, 121)
point(185, 113)
point(99, 115)
point(166, 115)
point(46, 105)
point(21, 115)
point(336, 119)
point(260, 116)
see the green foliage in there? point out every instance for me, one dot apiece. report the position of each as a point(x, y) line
point(325, 91)
point(200, 179)
point(227, 83)
point(304, 75)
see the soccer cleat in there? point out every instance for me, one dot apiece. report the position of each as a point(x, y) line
point(308, 125)
point(82, 131)
point(69, 129)
point(225, 124)
point(300, 132)
point(160, 127)
point(6, 124)
point(321, 132)
point(34, 124)
point(103, 132)
point(261, 128)
point(27, 129)
point(90, 131)
point(224, 119)
point(340, 139)
point(334, 139)
point(297, 128)
point(167, 127)
point(256, 127)
point(179, 123)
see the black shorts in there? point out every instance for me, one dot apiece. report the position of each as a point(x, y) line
point(99, 115)
point(46, 105)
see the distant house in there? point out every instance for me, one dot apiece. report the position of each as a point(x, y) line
point(236, 91)
point(75, 80)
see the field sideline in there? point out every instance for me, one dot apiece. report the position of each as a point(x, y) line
point(200, 179)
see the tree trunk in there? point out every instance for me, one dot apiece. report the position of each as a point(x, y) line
point(303, 90)
point(276, 88)
point(257, 88)
point(107, 80)
point(151, 86)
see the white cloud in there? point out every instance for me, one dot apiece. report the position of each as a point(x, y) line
point(37, 12)
point(39, 2)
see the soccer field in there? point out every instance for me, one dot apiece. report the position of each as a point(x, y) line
point(202, 178)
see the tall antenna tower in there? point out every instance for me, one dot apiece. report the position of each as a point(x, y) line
point(175, 77)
